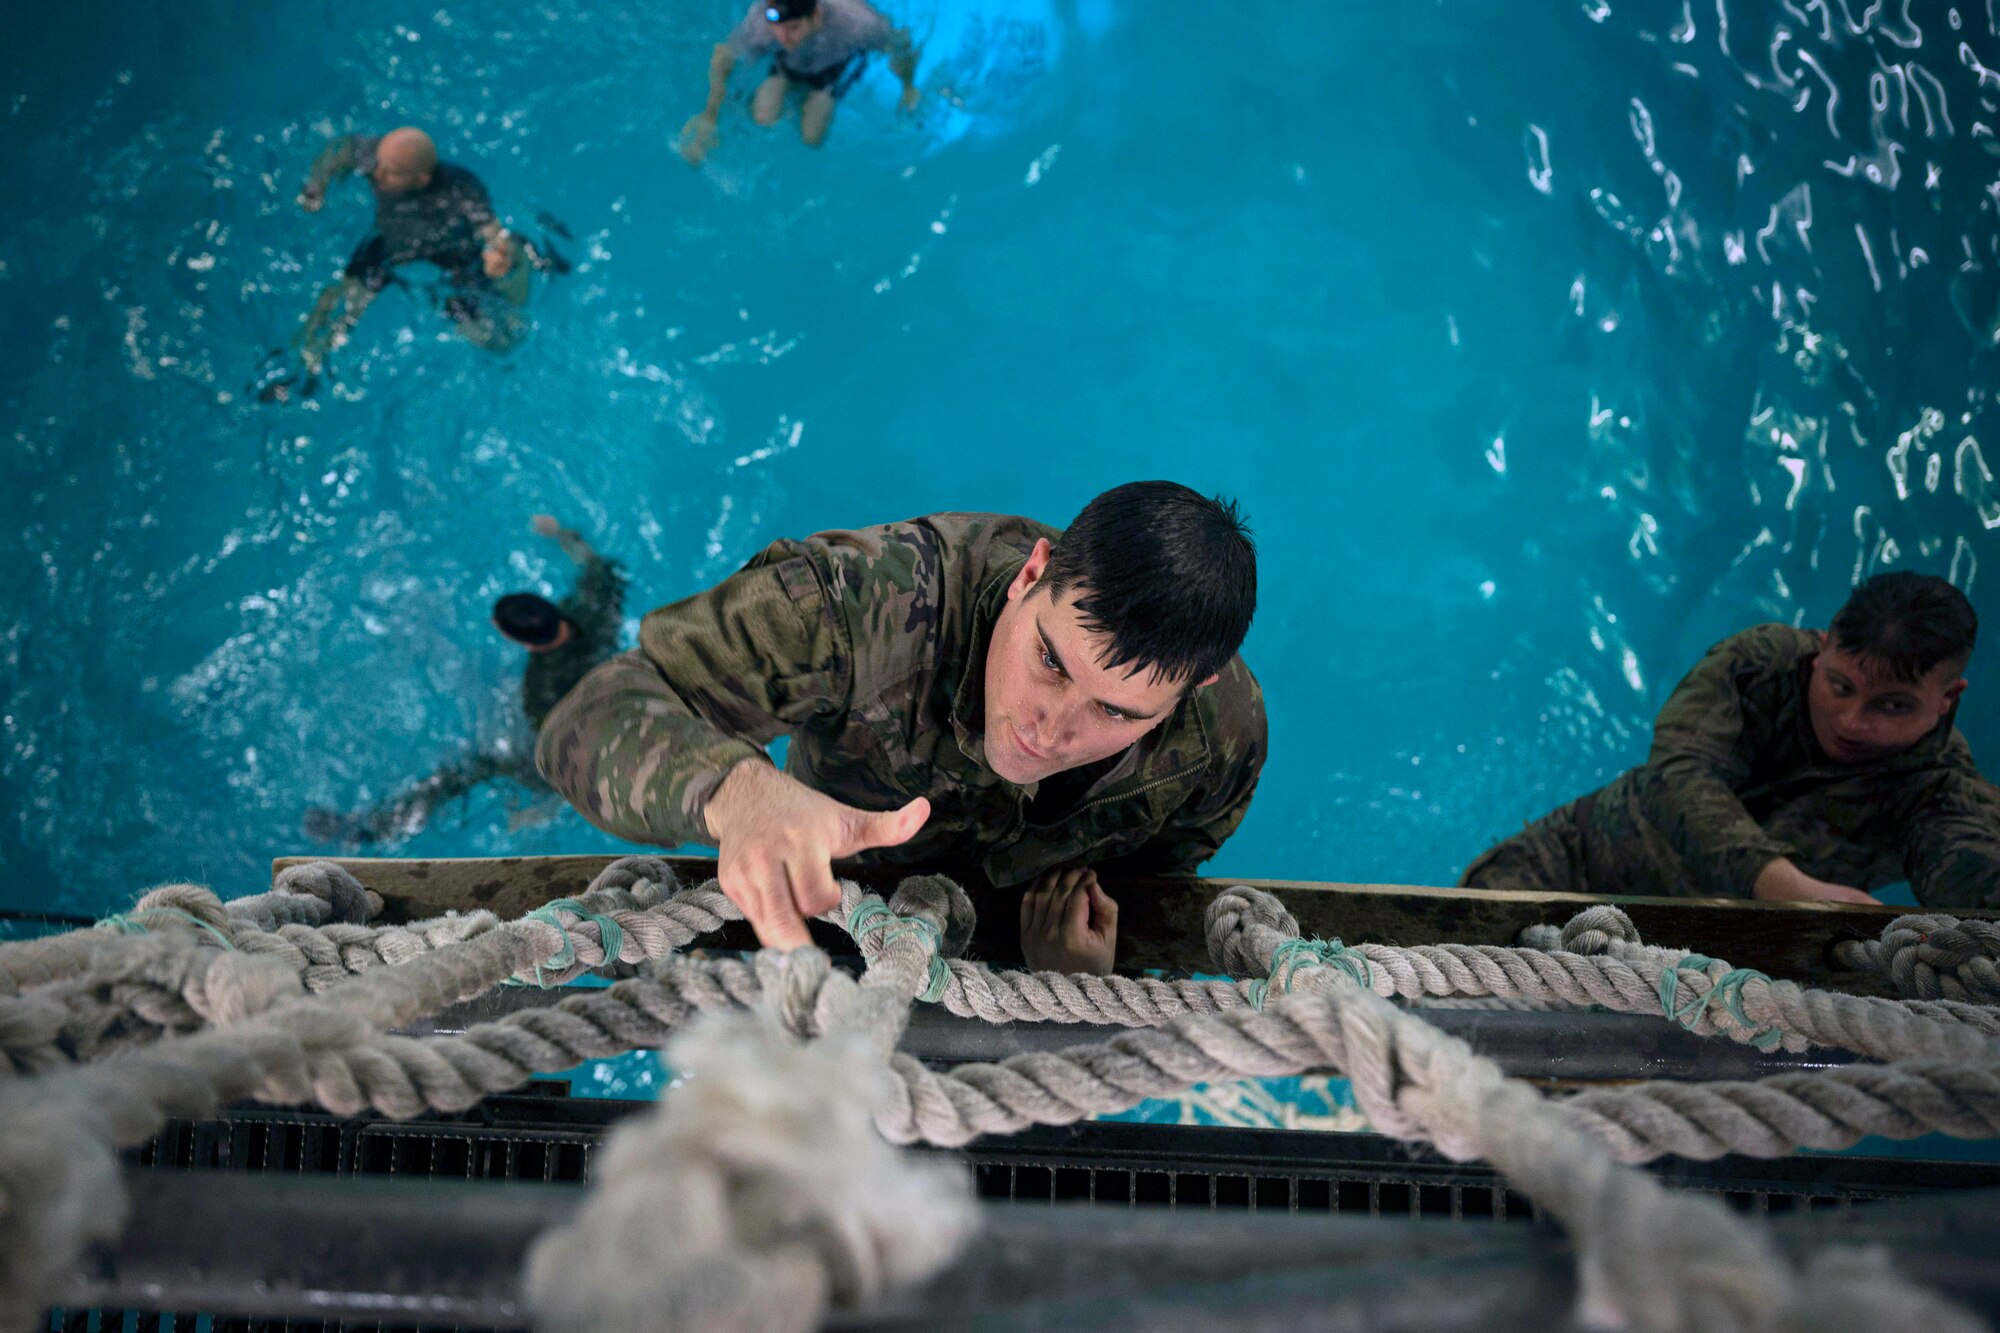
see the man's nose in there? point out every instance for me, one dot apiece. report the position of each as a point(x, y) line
point(1063, 724)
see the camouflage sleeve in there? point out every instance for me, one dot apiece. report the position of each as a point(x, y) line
point(1238, 740)
point(1953, 856)
point(642, 742)
point(1704, 742)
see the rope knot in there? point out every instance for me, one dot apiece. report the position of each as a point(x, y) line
point(611, 938)
point(629, 872)
point(873, 917)
point(799, 985)
point(942, 901)
point(188, 904)
point(1938, 957)
point(183, 901)
point(1726, 989)
point(1233, 917)
point(755, 1197)
point(1596, 929)
point(1296, 953)
point(332, 883)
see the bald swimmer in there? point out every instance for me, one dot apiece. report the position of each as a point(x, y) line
point(425, 210)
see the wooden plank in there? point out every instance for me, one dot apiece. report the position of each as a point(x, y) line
point(1160, 919)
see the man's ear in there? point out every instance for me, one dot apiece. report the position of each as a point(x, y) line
point(1031, 571)
point(1218, 676)
point(1952, 691)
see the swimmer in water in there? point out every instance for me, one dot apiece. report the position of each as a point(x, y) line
point(565, 640)
point(818, 49)
point(425, 210)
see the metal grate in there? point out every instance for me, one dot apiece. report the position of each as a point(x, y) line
point(554, 1138)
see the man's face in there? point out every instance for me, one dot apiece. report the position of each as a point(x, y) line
point(397, 176)
point(1860, 711)
point(790, 32)
point(1049, 705)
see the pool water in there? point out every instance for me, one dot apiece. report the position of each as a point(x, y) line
point(1543, 346)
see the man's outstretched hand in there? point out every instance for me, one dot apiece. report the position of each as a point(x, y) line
point(777, 839)
point(697, 138)
point(1069, 923)
point(1783, 882)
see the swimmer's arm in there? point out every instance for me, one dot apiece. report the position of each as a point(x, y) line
point(903, 59)
point(338, 159)
point(721, 61)
point(500, 249)
point(573, 545)
point(492, 234)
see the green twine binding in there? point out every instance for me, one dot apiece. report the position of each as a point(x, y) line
point(609, 932)
point(1728, 988)
point(131, 924)
point(1296, 952)
point(1688, 1014)
point(872, 914)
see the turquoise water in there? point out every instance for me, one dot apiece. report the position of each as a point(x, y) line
point(1544, 345)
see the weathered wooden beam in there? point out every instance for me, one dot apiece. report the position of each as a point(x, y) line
point(1160, 919)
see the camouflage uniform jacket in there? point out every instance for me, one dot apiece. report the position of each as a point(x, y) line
point(868, 649)
point(1736, 779)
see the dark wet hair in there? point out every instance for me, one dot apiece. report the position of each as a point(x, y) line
point(527, 618)
point(1907, 622)
point(1168, 574)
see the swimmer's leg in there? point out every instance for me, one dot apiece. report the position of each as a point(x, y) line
point(284, 377)
point(488, 312)
point(816, 117)
point(338, 307)
point(769, 103)
point(407, 813)
point(489, 331)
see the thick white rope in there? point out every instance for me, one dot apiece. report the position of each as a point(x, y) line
point(287, 1046)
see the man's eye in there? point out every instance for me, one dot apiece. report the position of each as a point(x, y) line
point(1893, 707)
point(1049, 662)
point(1112, 713)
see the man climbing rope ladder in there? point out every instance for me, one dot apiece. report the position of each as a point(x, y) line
point(968, 687)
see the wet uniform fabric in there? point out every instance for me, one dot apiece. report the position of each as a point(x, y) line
point(595, 608)
point(868, 648)
point(438, 224)
point(1736, 779)
point(831, 58)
